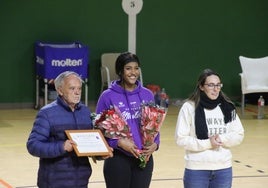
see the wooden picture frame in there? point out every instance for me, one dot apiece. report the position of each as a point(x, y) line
point(89, 142)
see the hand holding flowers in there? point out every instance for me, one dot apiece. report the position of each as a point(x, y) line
point(113, 126)
point(152, 117)
point(129, 146)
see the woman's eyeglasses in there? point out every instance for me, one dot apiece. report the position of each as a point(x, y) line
point(213, 86)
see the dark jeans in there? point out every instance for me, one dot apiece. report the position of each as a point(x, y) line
point(208, 178)
point(122, 171)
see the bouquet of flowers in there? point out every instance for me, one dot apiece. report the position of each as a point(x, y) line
point(152, 117)
point(111, 123)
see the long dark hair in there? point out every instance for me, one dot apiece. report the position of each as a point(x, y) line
point(195, 96)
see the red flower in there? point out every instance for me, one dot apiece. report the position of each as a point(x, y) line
point(112, 124)
point(152, 117)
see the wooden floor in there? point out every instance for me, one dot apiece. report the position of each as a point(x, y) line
point(18, 169)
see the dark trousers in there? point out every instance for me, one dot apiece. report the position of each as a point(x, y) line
point(122, 171)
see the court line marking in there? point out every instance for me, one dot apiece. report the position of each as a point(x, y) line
point(6, 185)
point(164, 179)
point(249, 166)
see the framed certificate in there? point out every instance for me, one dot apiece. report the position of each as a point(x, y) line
point(88, 142)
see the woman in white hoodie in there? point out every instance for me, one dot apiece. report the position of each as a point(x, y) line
point(207, 127)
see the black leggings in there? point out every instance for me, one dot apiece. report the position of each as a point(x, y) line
point(122, 171)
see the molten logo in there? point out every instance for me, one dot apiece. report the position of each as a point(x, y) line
point(61, 63)
point(67, 63)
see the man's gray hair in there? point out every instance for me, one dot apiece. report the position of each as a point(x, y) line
point(60, 78)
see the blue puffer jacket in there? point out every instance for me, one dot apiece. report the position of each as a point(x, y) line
point(58, 168)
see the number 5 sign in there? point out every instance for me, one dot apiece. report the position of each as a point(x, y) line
point(132, 8)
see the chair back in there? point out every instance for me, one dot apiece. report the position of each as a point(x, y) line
point(254, 70)
point(108, 63)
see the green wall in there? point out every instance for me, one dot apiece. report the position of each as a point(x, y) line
point(175, 40)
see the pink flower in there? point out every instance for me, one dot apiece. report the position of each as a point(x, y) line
point(112, 123)
point(152, 118)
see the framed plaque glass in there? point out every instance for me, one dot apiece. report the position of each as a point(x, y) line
point(89, 142)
